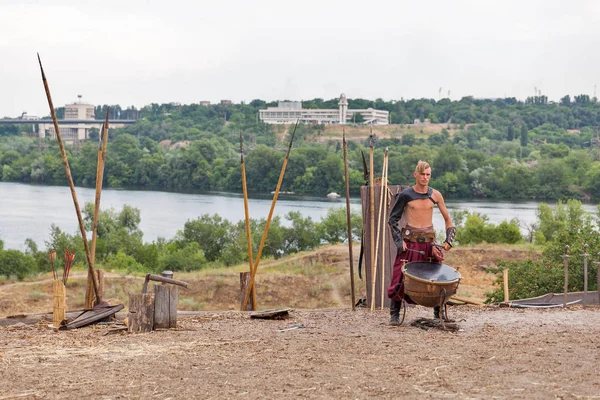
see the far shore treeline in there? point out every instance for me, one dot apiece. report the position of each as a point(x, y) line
point(495, 149)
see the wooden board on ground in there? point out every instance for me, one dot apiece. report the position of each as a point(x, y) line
point(91, 316)
point(272, 314)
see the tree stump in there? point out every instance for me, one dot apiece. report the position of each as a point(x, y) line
point(165, 306)
point(141, 312)
point(244, 283)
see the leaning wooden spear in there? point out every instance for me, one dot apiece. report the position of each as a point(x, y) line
point(384, 193)
point(348, 217)
point(71, 184)
point(266, 230)
point(379, 218)
point(247, 214)
point(99, 180)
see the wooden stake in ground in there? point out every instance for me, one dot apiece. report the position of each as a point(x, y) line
point(384, 217)
point(372, 217)
point(585, 274)
point(266, 230)
point(566, 258)
point(71, 184)
point(89, 301)
point(248, 232)
point(348, 217)
point(505, 281)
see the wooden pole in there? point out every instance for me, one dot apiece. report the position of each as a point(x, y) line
point(505, 280)
point(372, 217)
point(348, 218)
point(266, 230)
point(566, 263)
point(99, 180)
point(71, 183)
point(248, 231)
point(585, 273)
point(598, 278)
point(379, 218)
point(384, 191)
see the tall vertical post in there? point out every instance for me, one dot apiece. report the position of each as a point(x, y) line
point(372, 216)
point(566, 264)
point(348, 218)
point(585, 273)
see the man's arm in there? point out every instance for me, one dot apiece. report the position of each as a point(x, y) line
point(450, 230)
point(395, 216)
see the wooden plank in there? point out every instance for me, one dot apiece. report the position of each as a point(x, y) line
point(244, 283)
point(389, 256)
point(141, 312)
point(94, 315)
point(165, 306)
point(272, 314)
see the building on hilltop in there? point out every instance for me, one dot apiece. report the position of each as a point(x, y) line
point(288, 112)
point(76, 125)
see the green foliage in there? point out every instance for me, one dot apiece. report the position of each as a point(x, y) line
point(567, 229)
point(334, 227)
point(15, 263)
point(477, 229)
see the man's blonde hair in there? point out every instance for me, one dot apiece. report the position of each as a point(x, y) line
point(421, 166)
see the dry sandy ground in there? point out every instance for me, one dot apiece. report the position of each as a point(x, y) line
point(338, 353)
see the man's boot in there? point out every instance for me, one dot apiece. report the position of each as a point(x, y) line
point(436, 312)
point(395, 313)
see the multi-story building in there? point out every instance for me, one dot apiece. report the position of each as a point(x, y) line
point(78, 121)
point(288, 112)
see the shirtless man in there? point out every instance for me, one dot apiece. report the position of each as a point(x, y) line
point(414, 210)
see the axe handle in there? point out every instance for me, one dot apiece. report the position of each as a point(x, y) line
point(158, 278)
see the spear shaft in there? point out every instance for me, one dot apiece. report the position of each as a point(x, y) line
point(71, 184)
point(247, 214)
point(99, 180)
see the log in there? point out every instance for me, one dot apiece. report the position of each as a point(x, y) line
point(141, 312)
point(244, 283)
point(59, 309)
point(165, 306)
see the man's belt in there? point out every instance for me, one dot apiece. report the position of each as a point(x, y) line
point(418, 235)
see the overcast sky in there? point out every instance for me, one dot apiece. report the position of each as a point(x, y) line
point(138, 52)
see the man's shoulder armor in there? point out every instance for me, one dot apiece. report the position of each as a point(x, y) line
point(410, 194)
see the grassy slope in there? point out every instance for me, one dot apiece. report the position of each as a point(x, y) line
point(316, 279)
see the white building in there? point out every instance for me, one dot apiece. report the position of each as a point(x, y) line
point(80, 119)
point(288, 112)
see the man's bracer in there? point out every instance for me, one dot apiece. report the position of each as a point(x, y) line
point(450, 234)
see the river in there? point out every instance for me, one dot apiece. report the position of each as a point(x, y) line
point(27, 211)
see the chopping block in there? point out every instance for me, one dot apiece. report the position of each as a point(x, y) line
point(158, 310)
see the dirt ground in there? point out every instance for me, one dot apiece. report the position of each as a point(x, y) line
point(335, 353)
point(317, 353)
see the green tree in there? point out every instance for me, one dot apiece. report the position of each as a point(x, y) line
point(524, 133)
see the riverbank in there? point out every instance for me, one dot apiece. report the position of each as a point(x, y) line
point(28, 211)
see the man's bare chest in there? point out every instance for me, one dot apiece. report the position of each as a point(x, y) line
point(419, 205)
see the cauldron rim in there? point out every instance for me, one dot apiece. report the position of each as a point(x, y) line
point(404, 270)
